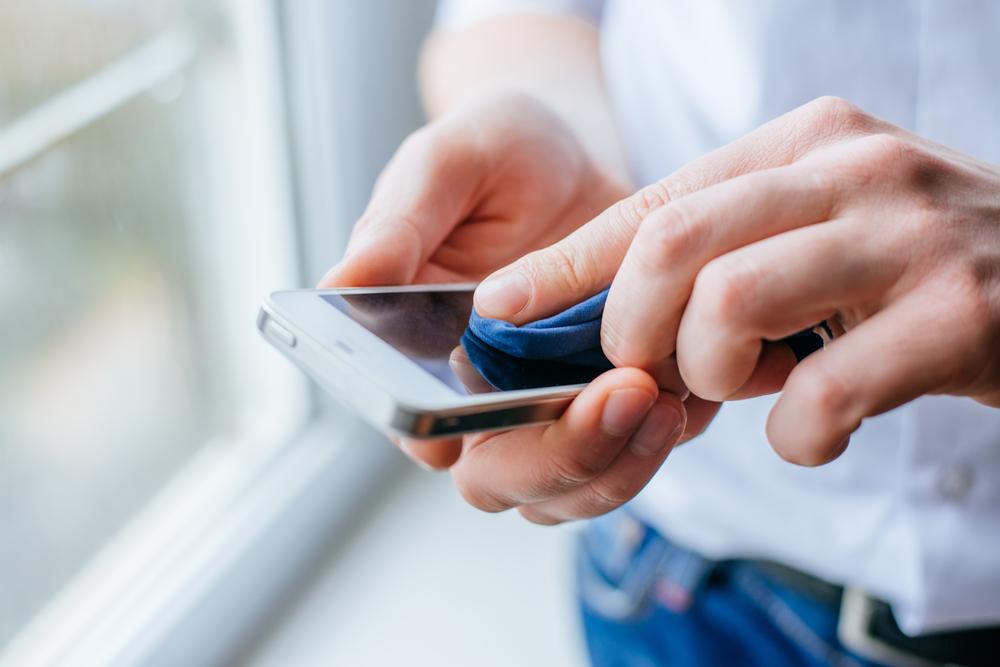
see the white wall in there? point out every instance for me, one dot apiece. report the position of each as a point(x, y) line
point(351, 75)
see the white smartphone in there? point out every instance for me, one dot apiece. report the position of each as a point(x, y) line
point(394, 356)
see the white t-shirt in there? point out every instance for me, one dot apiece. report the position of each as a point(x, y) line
point(911, 511)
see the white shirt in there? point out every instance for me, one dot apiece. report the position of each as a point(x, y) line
point(911, 511)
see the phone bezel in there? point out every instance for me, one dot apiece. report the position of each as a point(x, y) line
point(384, 385)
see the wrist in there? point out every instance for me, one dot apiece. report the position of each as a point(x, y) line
point(556, 62)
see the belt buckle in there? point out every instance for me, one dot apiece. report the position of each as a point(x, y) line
point(854, 632)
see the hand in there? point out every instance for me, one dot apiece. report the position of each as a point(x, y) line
point(463, 197)
point(597, 456)
point(472, 192)
point(583, 465)
point(824, 213)
point(466, 195)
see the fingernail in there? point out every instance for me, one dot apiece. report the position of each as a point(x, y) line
point(503, 296)
point(656, 430)
point(624, 409)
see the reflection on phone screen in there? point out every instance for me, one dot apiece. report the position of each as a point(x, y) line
point(428, 327)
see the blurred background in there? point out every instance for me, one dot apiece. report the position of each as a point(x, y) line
point(171, 490)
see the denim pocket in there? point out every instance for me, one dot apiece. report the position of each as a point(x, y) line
point(626, 569)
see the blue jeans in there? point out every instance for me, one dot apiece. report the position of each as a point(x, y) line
point(649, 603)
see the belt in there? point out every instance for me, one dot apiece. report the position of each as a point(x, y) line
point(868, 628)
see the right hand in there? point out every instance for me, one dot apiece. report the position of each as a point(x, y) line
point(468, 194)
point(824, 214)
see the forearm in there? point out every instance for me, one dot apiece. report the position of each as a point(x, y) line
point(554, 60)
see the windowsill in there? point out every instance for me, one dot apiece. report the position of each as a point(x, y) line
point(428, 580)
point(205, 565)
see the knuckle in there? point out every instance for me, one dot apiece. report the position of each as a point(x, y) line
point(834, 115)
point(428, 146)
point(725, 289)
point(628, 214)
point(828, 395)
point(537, 516)
point(832, 105)
point(558, 264)
point(446, 148)
point(827, 184)
point(605, 494)
point(479, 497)
point(885, 149)
point(564, 471)
point(831, 408)
point(668, 238)
point(897, 162)
point(647, 200)
point(827, 398)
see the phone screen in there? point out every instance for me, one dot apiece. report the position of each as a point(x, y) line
point(428, 327)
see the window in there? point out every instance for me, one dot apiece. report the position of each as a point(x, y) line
point(145, 208)
point(165, 476)
point(104, 386)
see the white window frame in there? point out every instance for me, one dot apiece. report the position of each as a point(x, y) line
point(205, 565)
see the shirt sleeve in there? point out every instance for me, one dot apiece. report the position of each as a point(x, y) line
point(456, 15)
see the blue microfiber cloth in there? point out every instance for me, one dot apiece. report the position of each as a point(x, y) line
point(560, 350)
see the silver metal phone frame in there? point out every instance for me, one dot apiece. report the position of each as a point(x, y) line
point(342, 375)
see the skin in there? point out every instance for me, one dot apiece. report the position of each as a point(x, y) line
point(825, 213)
point(522, 150)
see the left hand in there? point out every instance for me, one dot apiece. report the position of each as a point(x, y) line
point(824, 213)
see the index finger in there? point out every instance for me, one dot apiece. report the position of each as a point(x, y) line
point(548, 281)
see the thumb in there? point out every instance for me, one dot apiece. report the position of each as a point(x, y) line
point(381, 253)
point(424, 192)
